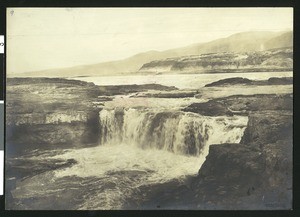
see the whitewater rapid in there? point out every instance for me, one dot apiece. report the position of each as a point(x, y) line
point(144, 147)
point(175, 131)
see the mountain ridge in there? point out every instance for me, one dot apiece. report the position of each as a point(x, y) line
point(239, 42)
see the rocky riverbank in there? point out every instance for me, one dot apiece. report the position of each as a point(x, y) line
point(255, 174)
point(45, 113)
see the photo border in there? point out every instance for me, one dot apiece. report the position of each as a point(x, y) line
point(151, 3)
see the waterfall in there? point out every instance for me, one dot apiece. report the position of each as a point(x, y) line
point(140, 148)
point(174, 131)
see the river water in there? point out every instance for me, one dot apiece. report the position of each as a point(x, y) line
point(144, 142)
point(181, 81)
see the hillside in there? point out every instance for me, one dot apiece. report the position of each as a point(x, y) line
point(270, 60)
point(284, 40)
point(240, 42)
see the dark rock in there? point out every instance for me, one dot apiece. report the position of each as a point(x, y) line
point(126, 89)
point(244, 163)
point(229, 81)
point(268, 127)
point(47, 81)
point(23, 168)
point(242, 104)
point(280, 81)
point(45, 136)
point(278, 164)
point(245, 81)
point(210, 108)
point(46, 112)
point(230, 165)
point(255, 174)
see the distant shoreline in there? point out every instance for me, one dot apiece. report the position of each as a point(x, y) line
point(154, 74)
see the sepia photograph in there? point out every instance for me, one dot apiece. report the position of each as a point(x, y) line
point(184, 108)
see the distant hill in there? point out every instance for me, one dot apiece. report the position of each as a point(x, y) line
point(280, 59)
point(240, 42)
point(283, 40)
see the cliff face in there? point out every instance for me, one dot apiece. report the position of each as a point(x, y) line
point(255, 174)
point(50, 112)
point(278, 59)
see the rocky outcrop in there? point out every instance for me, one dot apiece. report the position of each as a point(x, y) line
point(24, 168)
point(242, 104)
point(229, 81)
point(43, 112)
point(237, 176)
point(267, 127)
point(230, 171)
point(280, 81)
point(125, 89)
point(245, 81)
point(255, 174)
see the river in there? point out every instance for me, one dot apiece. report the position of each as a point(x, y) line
point(144, 142)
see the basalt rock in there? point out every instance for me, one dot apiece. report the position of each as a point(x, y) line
point(255, 174)
point(229, 81)
point(242, 104)
point(245, 81)
point(46, 112)
point(268, 127)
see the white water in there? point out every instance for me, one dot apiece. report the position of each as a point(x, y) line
point(174, 131)
point(115, 163)
point(157, 146)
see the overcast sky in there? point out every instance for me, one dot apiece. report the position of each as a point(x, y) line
point(47, 38)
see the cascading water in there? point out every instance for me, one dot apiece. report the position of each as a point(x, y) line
point(174, 131)
point(140, 148)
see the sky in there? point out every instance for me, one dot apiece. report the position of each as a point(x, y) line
point(50, 38)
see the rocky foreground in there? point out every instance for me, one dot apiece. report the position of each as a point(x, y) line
point(255, 174)
point(45, 114)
